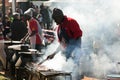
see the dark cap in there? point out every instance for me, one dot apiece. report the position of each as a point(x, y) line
point(57, 12)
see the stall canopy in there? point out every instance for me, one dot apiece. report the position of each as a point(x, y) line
point(19, 0)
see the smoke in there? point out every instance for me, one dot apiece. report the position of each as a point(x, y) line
point(99, 21)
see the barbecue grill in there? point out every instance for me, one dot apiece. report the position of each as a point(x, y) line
point(44, 73)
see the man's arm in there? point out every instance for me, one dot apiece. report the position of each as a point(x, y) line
point(25, 38)
point(54, 53)
point(33, 33)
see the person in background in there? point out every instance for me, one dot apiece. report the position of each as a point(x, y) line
point(45, 12)
point(69, 35)
point(34, 30)
point(18, 28)
point(19, 10)
point(2, 52)
point(9, 14)
point(39, 18)
point(6, 30)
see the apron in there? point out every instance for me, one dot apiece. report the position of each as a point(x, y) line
point(40, 31)
point(32, 38)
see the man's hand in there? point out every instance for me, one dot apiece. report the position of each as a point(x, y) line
point(22, 40)
point(51, 56)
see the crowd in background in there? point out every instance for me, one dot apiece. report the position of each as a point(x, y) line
point(41, 13)
point(15, 26)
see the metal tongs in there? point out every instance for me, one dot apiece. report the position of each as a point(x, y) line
point(42, 61)
point(48, 58)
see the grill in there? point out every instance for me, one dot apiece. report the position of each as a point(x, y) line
point(43, 73)
point(17, 56)
point(51, 74)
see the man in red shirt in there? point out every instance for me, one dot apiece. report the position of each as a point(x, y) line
point(69, 33)
point(34, 30)
point(69, 36)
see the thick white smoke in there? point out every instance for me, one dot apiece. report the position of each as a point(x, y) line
point(100, 22)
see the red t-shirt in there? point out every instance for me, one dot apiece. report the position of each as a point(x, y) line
point(71, 27)
point(34, 27)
